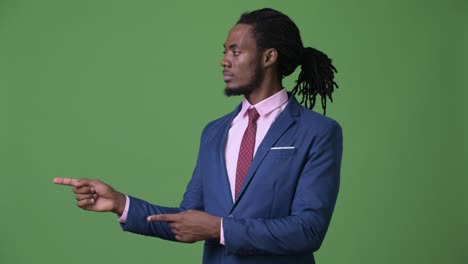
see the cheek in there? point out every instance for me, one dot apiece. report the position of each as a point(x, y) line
point(246, 67)
point(247, 70)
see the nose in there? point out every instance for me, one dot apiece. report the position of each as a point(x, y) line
point(225, 62)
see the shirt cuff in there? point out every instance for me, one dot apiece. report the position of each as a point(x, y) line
point(221, 234)
point(123, 217)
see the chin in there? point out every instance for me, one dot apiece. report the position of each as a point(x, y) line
point(230, 91)
point(242, 90)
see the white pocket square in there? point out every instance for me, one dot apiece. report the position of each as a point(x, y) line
point(283, 148)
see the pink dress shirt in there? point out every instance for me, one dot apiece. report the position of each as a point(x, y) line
point(268, 109)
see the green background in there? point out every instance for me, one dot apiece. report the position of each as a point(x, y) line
point(120, 91)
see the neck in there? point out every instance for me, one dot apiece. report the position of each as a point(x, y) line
point(267, 88)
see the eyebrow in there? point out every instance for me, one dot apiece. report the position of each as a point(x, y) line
point(232, 46)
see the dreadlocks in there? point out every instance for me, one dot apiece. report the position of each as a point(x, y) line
point(273, 29)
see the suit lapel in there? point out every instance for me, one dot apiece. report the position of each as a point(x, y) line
point(284, 121)
point(227, 196)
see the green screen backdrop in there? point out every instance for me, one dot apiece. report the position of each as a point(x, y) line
point(121, 90)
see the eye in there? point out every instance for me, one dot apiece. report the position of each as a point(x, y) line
point(234, 52)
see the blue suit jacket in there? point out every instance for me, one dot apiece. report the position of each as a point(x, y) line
point(287, 199)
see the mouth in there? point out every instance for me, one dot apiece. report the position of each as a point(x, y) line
point(227, 76)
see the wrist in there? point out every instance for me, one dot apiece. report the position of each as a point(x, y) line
point(216, 229)
point(119, 203)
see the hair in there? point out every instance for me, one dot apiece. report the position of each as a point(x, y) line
point(273, 29)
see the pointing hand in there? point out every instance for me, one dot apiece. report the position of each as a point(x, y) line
point(190, 226)
point(95, 195)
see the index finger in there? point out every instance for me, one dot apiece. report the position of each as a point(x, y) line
point(163, 217)
point(67, 181)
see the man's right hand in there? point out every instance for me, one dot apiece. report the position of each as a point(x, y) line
point(95, 195)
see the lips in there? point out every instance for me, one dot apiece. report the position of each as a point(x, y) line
point(227, 76)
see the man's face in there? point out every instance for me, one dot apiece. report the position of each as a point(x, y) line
point(242, 72)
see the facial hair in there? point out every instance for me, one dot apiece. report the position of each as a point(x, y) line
point(250, 87)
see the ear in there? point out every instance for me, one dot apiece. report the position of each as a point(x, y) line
point(270, 56)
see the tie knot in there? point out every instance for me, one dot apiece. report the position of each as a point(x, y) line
point(253, 115)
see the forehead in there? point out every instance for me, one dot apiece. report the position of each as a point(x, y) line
point(240, 35)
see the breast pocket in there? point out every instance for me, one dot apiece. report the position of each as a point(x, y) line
point(282, 152)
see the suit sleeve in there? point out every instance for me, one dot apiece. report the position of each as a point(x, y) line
point(304, 229)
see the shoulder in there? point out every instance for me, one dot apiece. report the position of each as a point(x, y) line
point(216, 126)
point(316, 123)
point(309, 121)
point(324, 134)
point(310, 118)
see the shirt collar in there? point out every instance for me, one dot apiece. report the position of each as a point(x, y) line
point(267, 105)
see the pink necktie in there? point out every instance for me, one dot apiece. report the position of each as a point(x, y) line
point(246, 149)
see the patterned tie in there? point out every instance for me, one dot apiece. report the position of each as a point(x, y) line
point(246, 149)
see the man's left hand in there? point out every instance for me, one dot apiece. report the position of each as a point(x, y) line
point(191, 226)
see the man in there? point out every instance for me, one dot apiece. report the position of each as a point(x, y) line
point(267, 175)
